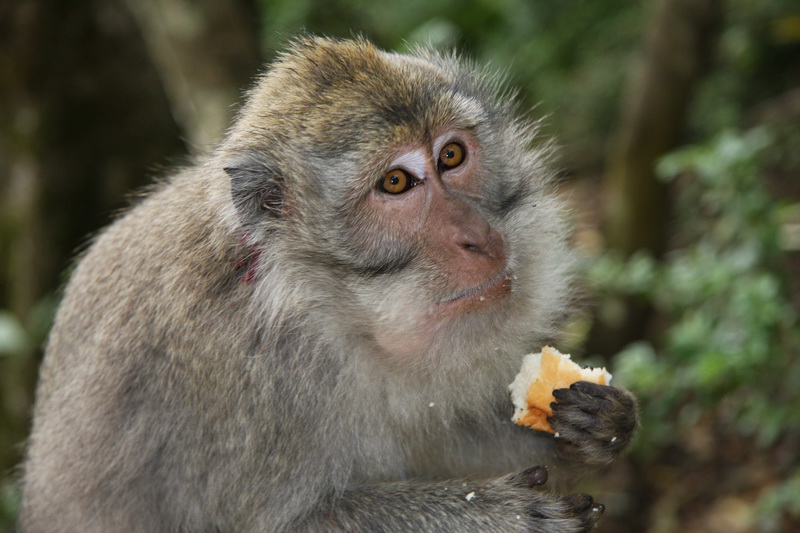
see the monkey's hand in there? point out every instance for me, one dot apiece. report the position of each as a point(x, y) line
point(593, 423)
point(576, 513)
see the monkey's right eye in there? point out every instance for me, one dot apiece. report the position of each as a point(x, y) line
point(396, 181)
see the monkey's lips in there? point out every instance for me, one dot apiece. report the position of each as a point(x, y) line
point(496, 288)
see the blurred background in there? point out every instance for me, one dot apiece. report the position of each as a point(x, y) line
point(678, 123)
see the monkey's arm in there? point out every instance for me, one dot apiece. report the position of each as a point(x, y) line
point(504, 504)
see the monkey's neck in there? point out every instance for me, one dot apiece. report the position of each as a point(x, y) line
point(246, 259)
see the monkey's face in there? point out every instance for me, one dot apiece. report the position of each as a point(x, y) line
point(435, 233)
point(407, 181)
point(431, 251)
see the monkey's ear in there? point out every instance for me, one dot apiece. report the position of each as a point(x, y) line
point(257, 187)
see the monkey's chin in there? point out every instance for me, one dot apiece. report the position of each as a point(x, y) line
point(417, 341)
point(490, 293)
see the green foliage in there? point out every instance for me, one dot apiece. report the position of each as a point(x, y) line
point(729, 342)
point(13, 338)
point(9, 504)
point(21, 340)
point(755, 54)
point(19, 345)
point(782, 496)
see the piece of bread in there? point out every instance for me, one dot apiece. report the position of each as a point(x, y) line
point(541, 374)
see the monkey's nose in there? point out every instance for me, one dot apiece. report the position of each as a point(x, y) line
point(474, 234)
point(483, 240)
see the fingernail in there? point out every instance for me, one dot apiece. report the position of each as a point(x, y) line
point(534, 476)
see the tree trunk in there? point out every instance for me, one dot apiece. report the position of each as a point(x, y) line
point(677, 52)
point(676, 56)
point(205, 53)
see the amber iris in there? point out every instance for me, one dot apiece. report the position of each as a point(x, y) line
point(396, 181)
point(451, 155)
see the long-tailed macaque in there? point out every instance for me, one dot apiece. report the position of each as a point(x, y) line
point(314, 328)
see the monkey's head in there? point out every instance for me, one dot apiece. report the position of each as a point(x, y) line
point(405, 187)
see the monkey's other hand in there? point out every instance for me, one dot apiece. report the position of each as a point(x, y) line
point(548, 513)
point(593, 423)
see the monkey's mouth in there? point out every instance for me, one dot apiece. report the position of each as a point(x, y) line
point(497, 287)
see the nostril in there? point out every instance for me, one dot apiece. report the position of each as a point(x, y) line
point(474, 248)
point(487, 245)
point(477, 239)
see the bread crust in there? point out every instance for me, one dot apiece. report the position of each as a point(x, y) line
point(541, 374)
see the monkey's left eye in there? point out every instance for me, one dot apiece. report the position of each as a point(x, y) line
point(451, 155)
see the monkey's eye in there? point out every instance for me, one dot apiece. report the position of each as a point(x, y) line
point(451, 155)
point(396, 181)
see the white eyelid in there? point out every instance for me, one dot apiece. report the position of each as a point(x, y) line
point(442, 141)
point(415, 162)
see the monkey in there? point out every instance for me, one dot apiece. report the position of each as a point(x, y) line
point(313, 327)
